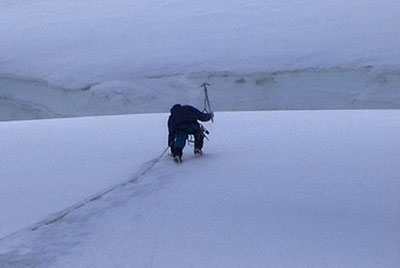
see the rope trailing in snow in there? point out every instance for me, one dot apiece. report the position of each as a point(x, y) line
point(153, 163)
point(61, 214)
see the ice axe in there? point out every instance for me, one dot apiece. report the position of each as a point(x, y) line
point(207, 106)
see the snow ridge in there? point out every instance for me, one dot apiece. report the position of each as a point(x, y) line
point(304, 89)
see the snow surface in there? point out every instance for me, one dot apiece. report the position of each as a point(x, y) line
point(48, 165)
point(273, 189)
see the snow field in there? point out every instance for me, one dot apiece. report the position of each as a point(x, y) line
point(279, 189)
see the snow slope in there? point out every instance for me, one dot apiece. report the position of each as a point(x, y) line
point(48, 165)
point(282, 189)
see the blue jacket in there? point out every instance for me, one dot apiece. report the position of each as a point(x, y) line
point(182, 115)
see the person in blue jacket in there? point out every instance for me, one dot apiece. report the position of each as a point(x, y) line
point(183, 122)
